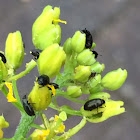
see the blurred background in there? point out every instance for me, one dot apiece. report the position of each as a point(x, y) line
point(115, 26)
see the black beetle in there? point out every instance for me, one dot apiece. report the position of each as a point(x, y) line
point(56, 86)
point(43, 80)
point(93, 104)
point(27, 107)
point(3, 57)
point(89, 39)
point(35, 53)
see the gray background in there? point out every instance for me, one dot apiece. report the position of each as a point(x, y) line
point(115, 28)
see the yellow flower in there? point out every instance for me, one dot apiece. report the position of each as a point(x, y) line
point(40, 134)
point(10, 96)
point(61, 128)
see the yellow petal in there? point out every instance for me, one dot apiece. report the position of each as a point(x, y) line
point(10, 96)
point(59, 20)
point(53, 89)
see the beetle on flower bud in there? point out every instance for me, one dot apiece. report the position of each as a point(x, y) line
point(93, 104)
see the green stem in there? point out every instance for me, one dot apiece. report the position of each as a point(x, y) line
point(29, 67)
point(37, 126)
point(64, 94)
point(16, 92)
point(24, 126)
point(73, 131)
point(16, 104)
point(68, 111)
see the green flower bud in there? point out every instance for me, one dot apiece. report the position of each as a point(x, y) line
point(45, 30)
point(82, 73)
point(74, 91)
point(111, 108)
point(95, 84)
point(51, 35)
point(3, 123)
point(97, 67)
point(39, 97)
point(14, 50)
point(51, 60)
point(86, 57)
point(67, 46)
point(100, 95)
point(78, 42)
point(3, 71)
point(114, 79)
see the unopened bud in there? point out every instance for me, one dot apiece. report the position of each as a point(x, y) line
point(74, 91)
point(86, 57)
point(51, 60)
point(14, 50)
point(82, 73)
point(78, 42)
point(114, 79)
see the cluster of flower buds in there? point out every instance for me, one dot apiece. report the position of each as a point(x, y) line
point(87, 79)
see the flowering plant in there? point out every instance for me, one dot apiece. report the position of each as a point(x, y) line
point(81, 75)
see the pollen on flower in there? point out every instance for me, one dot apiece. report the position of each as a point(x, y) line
point(59, 20)
point(10, 96)
point(53, 89)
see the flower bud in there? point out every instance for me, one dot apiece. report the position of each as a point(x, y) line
point(51, 60)
point(39, 97)
point(14, 50)
point(95, 84)
point(86, 57)
point(67, 46)
point(82, 73)
point(74, 91)
point(97, 67)
point(3, 71)
point(45, 30)
point(3, 123)
point(114, 79)
point(51, 35)
point(78, 42)
point(100, 95)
